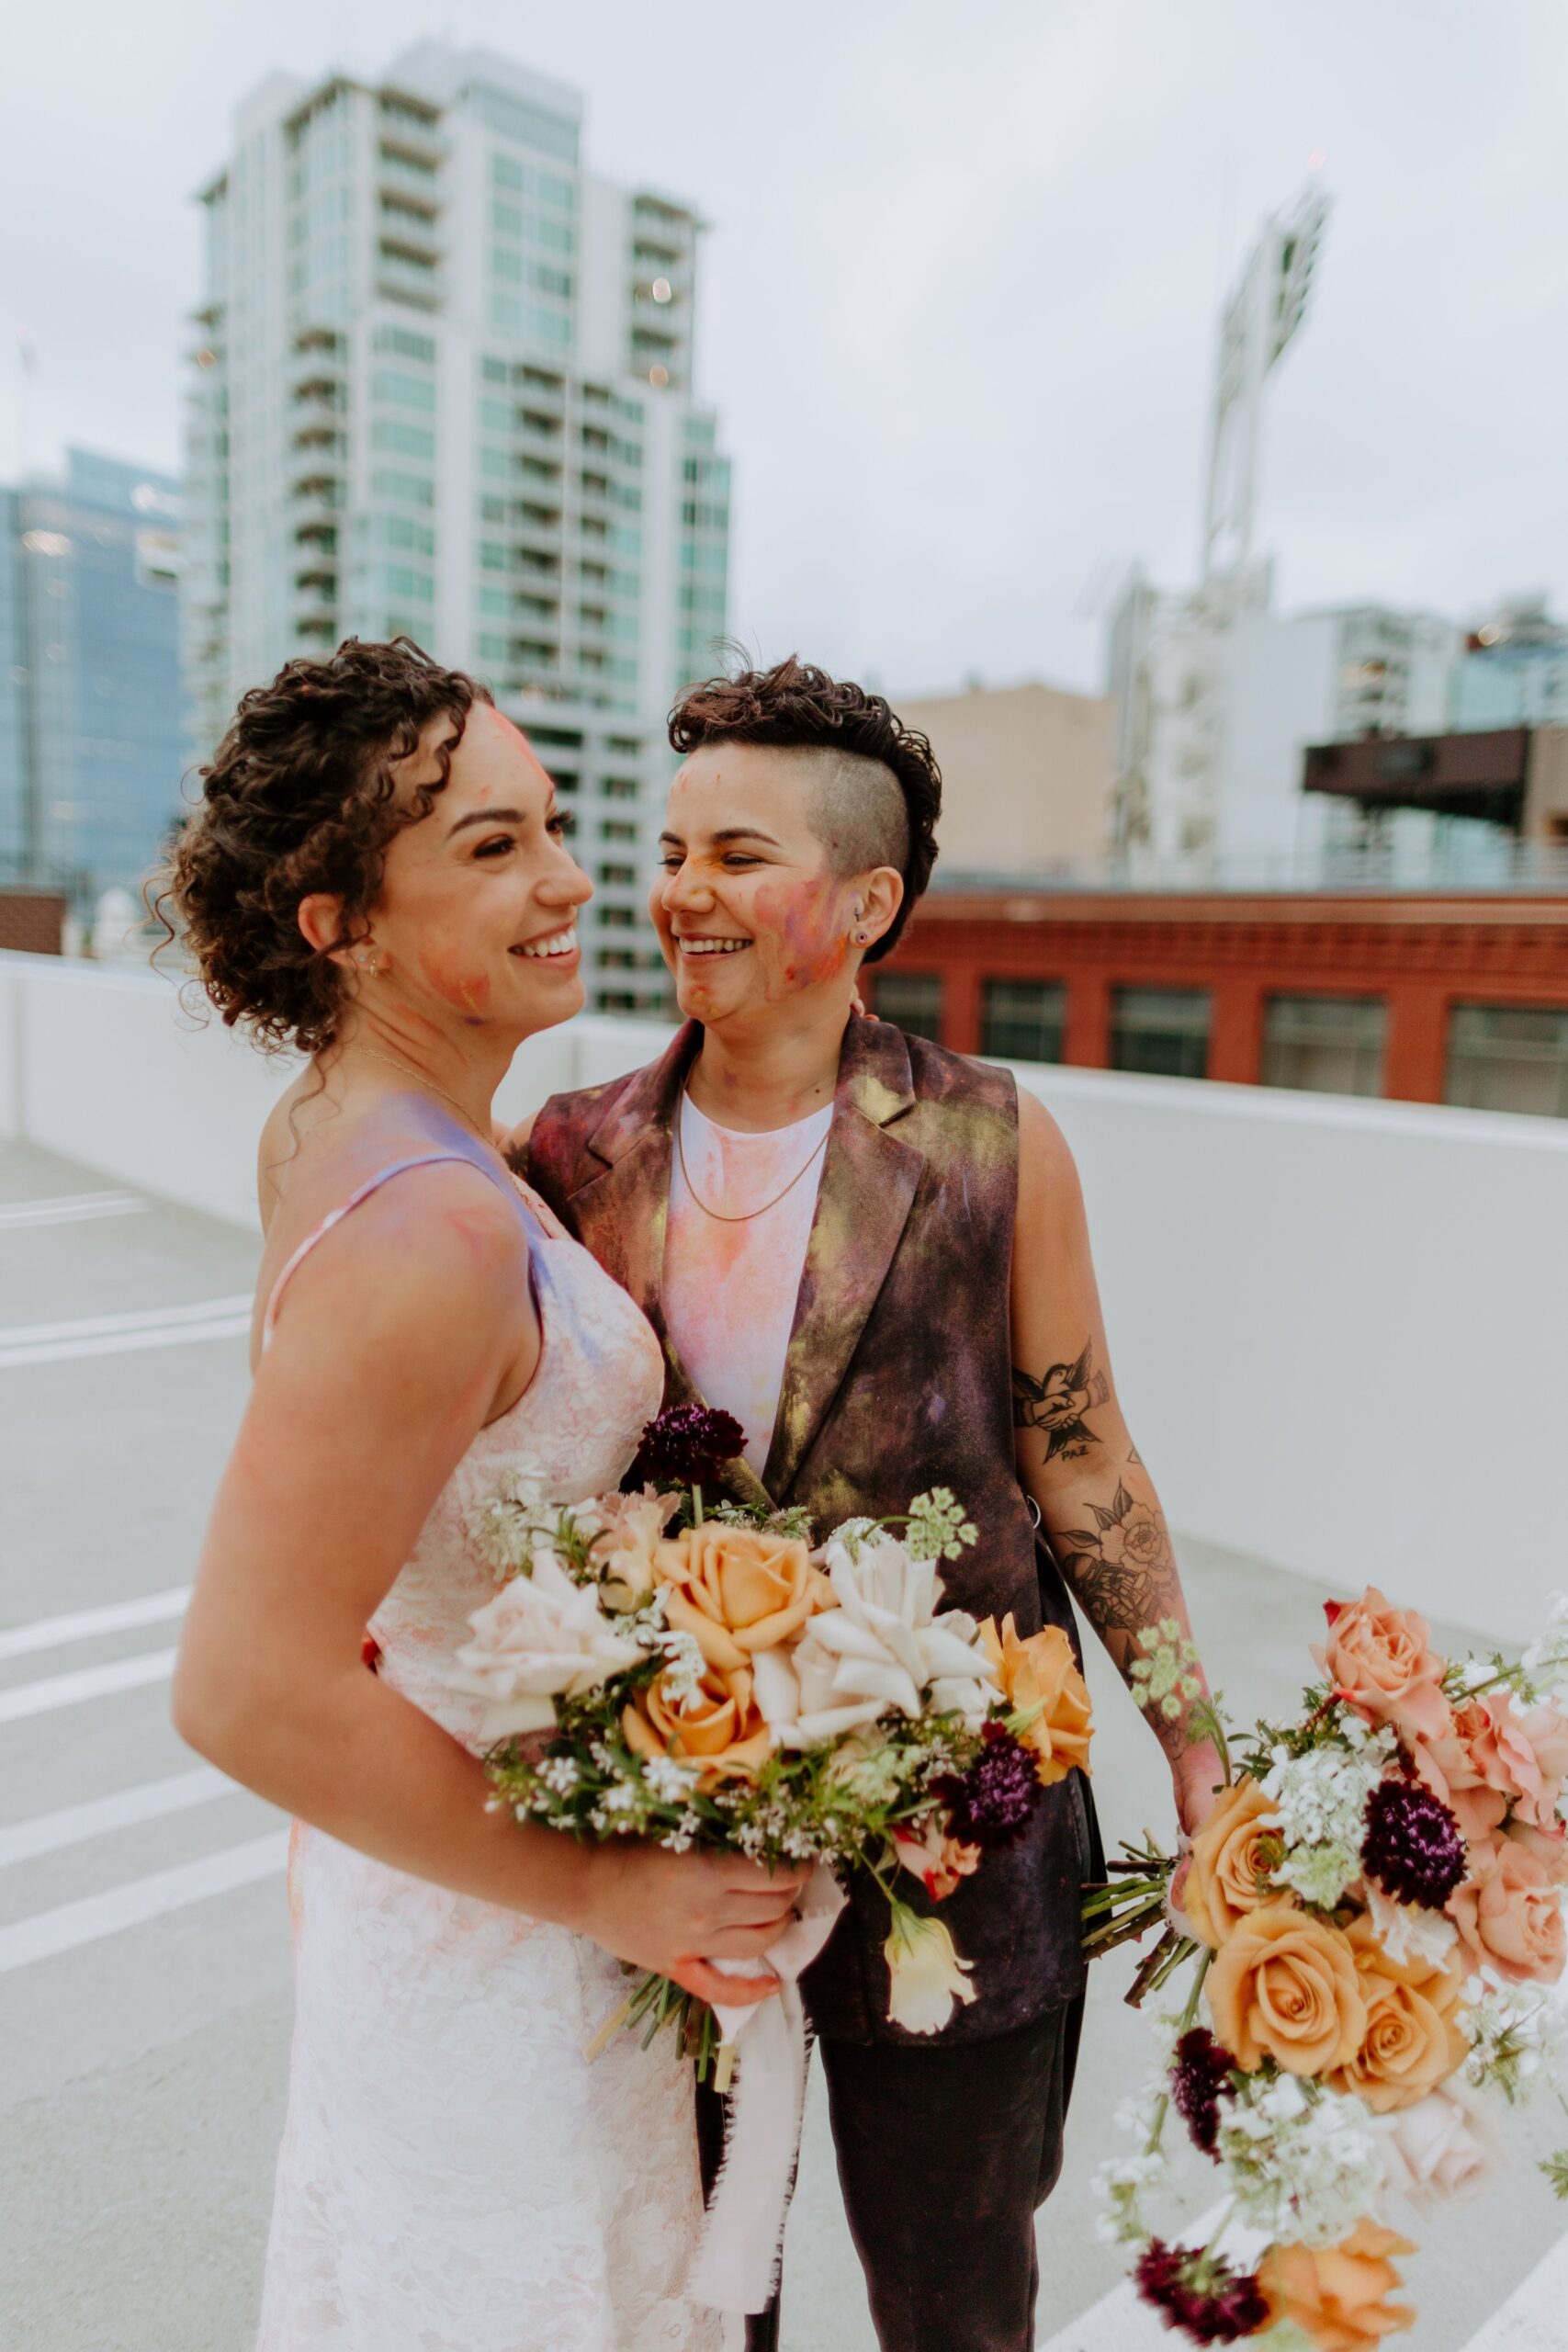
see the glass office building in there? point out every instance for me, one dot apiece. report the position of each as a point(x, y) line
point(92, 738)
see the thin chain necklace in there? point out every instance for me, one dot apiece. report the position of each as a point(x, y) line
point(420, 1079)
point(718, 1215)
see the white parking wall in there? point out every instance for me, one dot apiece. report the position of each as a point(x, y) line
point(1340, 1328)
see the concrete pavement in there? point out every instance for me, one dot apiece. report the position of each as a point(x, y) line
point(143, 1944)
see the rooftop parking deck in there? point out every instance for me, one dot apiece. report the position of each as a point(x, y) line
point(144, 1934)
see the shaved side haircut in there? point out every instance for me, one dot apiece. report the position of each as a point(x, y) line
point(875, 788)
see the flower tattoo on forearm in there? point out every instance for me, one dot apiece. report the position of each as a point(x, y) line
point(1122, 1565)
point(1057, 1406)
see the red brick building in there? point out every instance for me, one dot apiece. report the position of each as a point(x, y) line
point(1425, 998)
point(31, 921)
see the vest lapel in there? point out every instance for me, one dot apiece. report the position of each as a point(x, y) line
point(622, 1213)
point(869, 1180)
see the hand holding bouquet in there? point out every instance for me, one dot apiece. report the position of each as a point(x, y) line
point(1374, 1909)
point(710, 1680)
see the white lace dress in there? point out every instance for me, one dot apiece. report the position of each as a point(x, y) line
point(454, 2175)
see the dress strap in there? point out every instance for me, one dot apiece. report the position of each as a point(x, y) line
point(335, 1217)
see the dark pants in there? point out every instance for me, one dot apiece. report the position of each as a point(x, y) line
point(944, 2155)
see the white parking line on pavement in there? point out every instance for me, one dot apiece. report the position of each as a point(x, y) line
point(88, 1682)
point(69, 1208)
point(69, 1925)
point(81, 1625)
point(137, 1318)
point(1531, 2319)
point(113, 1335)
point(73, 1824)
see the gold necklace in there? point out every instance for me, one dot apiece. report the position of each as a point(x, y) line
point(418, 1075)
point(718, 1215)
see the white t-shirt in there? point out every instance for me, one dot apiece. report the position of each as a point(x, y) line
point(729, 1290)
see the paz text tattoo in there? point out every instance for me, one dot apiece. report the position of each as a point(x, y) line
point(1122, 1566)
point(1057, 1403)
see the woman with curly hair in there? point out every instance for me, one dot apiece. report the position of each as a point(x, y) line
point(376, 877)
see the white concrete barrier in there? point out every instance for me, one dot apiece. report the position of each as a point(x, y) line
point(1341, 1327)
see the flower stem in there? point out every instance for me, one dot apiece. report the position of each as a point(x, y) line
point(1189, 2017)
point(696, 1506)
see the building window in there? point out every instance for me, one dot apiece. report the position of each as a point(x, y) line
point(1022, 1021)
point(1325, 1045)
point(911, 1000)
point(1162, 1031)
point(1508, 1058)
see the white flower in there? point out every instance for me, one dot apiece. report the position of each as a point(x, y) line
point(1302, 2165)
point(927, 1975)
point(1435, 2149)
point(1407, 1931)
point(541, 1636)
point(1319, 1808)
point(1510, 2030)
point(882, 1651)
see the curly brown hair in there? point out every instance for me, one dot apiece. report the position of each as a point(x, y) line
point(302, 797)
point(799, 707)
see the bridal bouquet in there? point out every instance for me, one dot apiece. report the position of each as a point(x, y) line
point(1374, 1913)
point(711, 1679)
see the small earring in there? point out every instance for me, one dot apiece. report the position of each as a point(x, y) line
point(859, 939)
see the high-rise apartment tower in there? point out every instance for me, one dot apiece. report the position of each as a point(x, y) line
point(442, 386)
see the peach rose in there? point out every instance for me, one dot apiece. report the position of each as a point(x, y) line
point(719, 1726)
point(737, 1590)
point(1335, 2293)
point(1040, 1678)
point(1522, 1754)
point(1285, 1987)
point(1548, 1846)
point(1411, 2042)
point(1509, 1912)
point(1231, 1861)
point(1381, 1661)
point(1449, 1766)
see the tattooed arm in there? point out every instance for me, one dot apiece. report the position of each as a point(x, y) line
point(1076, 1455)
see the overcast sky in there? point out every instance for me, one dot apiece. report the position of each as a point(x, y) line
point(959, 293)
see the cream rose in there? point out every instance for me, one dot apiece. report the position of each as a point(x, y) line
point(1381, 1661)
point(1437, 2149)
point(542, 1637)
point(1232, 1856)
point(1039, 1679)
point(1336, 2293)
point(1284, 1986)
point(880, 1652)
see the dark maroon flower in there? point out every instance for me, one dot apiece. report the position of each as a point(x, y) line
point(1413, 1847)
point(1199, 2077)
point(1199, 2293)
point(988, 1804)
point(685, 1446)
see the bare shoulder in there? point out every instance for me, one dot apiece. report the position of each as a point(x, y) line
point(1045, 1163)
